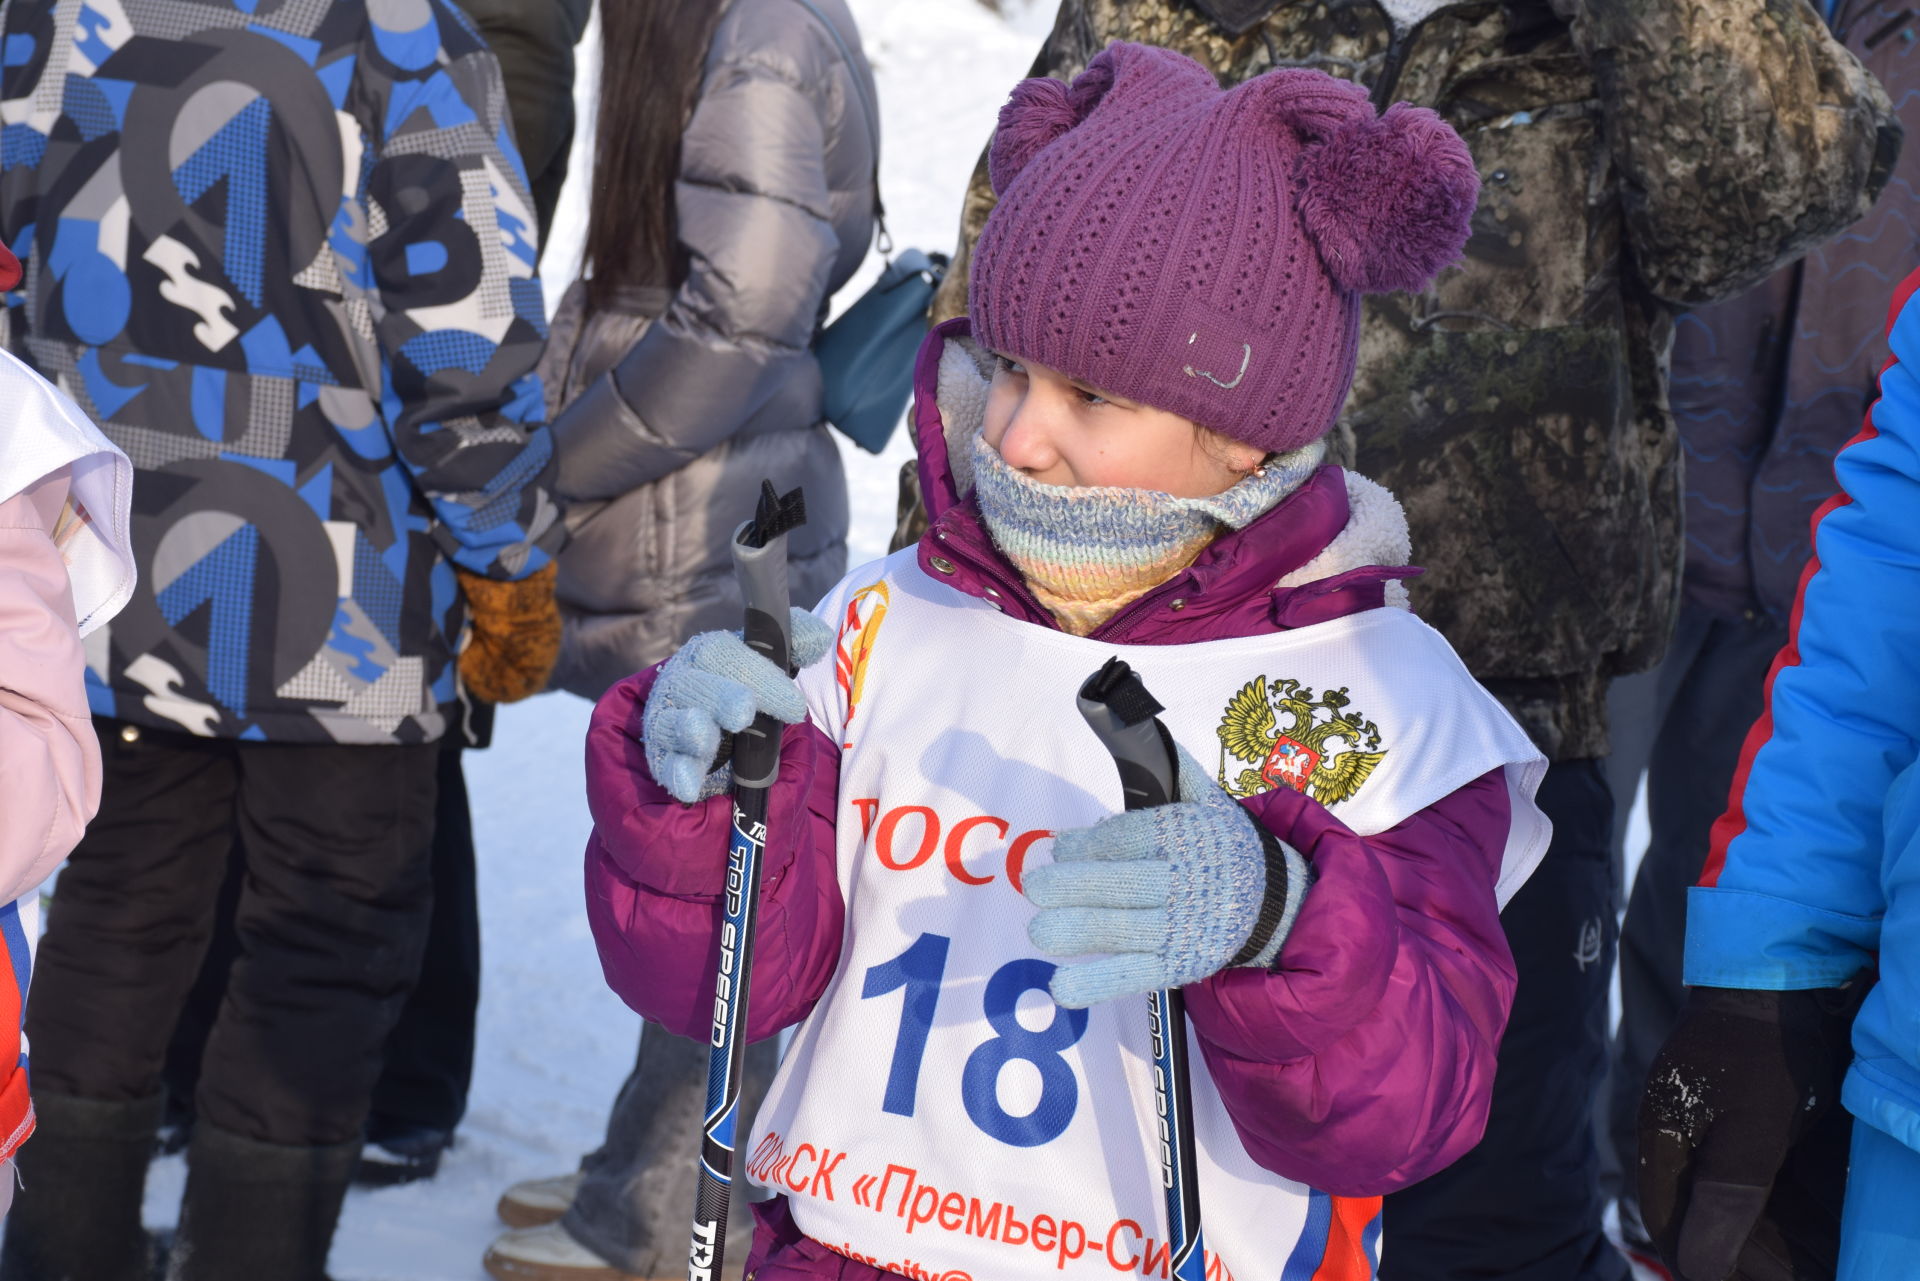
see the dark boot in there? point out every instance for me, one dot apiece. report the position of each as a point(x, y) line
point(82, 1177)
point(258, 1211)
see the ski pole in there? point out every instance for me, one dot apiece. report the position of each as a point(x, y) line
point(760, 564)
point(1122, 713)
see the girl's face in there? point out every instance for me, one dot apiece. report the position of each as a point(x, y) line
point(1059, 431)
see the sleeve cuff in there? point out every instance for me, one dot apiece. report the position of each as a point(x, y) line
point(1740, 939)
point(1299, 876)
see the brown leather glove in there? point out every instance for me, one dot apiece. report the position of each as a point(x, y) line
point(513, 639)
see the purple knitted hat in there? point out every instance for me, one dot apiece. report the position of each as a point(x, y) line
point(1203, 250)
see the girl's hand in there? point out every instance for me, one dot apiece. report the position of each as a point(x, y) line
point(1177, 893)
point(715, 685)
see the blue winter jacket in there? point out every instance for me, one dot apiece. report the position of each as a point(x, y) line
point(1815, 868)
point(282, 251)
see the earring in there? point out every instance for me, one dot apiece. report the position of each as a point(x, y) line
point(1260, 470)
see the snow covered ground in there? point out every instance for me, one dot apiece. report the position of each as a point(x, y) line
point(554, 1043)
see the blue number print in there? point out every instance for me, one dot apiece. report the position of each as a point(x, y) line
point(918, 969)
point(980, 1081)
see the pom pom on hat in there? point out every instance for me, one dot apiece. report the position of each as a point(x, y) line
point(1037, 112)
point(1041, 110)
point(1388, 200)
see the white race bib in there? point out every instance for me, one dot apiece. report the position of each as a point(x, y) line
point(937, 1115)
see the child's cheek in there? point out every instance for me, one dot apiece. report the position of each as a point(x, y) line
point(1003, 402)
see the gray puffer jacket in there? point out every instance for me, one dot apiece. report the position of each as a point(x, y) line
point(679, 404)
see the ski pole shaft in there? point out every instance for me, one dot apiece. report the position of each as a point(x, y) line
point(1125, 717)
point(760, 565)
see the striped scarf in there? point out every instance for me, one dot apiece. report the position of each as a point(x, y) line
point(1087, 553)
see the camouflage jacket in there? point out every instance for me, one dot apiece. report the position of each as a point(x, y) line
point(1769, 384)
point(1637, 156)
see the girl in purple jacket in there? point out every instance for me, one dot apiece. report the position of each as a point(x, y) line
point(1122, 448)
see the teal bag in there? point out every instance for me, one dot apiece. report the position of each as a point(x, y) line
point(866, 356)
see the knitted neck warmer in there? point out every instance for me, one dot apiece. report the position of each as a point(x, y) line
point(1088, 552)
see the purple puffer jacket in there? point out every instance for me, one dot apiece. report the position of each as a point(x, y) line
point(1363, 1063)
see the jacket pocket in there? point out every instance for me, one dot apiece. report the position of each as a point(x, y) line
point(1545, 246)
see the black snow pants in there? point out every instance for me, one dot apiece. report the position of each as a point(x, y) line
point(1683, 724)
point(331, 921)
point(428, 1062)
point(1525, 1204)
point(429, 1055)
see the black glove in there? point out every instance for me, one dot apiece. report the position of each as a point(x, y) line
point(1743, 1079)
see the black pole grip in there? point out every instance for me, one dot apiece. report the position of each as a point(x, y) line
point(1125, 717)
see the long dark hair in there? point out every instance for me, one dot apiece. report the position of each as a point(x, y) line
point(652, 55)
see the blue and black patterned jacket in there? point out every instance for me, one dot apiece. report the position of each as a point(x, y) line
point(283, 252)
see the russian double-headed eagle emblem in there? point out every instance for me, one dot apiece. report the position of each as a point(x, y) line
point(1323, 749)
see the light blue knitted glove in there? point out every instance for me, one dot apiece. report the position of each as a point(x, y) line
point(1176, 893)
point(713, 685)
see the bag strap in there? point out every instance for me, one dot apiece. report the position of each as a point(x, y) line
point(872, 111)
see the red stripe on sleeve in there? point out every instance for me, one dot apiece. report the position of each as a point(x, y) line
point(1731, 824)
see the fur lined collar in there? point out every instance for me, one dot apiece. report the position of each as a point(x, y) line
point(1375, 534)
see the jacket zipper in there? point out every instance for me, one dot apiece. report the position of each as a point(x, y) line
point(1395, 64)
point(1128, 621)
point(1399, 48)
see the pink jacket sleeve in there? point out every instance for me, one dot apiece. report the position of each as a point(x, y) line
point(49, 757)
point(1365, 1061)
point(656, 869)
